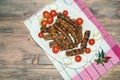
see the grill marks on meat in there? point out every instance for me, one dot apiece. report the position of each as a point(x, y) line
point(67, 19)
point(67, 35)
point(60, 29)
point(53, 33)
point(69, 24)
point(44, 30)
point(74, 52)
point(79, 33)
point(52, 43)
point(85, 39)
point(69, 29)
point(48, 37)
point(83, 45)
point(59, 38)
point(73, 26)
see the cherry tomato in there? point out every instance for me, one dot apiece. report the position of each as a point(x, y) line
point(79, 21)
point(49, 20)
point(46, 14)
point(53, 13)
point(65, 13)
point(55, 49)
point(40, 35)
point(78, 58)
point(43, 23)
point(91, 41)
point(87, 50)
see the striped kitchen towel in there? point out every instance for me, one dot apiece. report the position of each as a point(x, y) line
point(92, 65)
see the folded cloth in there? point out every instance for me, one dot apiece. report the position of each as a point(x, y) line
point(104, 54)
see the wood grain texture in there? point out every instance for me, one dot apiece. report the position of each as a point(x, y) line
point(18, 50)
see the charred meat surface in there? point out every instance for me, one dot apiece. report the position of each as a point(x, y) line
point(85, 39)
point(74, 52)
point(83, 45)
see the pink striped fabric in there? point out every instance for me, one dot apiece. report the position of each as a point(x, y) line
point(93, 71)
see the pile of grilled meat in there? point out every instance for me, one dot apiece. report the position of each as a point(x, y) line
point(67, 35)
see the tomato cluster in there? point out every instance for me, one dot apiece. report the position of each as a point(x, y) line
point(48, 17)
point(48, 20)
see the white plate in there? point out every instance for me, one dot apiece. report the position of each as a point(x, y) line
point(60, 57)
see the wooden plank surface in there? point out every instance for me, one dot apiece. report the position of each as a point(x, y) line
point(20, 56)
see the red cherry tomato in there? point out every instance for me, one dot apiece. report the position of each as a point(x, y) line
point(79, 21)
point(43, 23)
point(53, 13)
point(78, 58)
point(91, 41)
point(40, 35)
point(49, 20)
point(55, 49)
point(87, 50)
point(46, 14)
point(65, 13)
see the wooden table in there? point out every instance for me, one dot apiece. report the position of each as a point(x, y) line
point(22, 59)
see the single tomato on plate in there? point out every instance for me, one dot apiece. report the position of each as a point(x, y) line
point(41, 35)
point(91, 41)
point(79, 21)
point(55, 49)
point(65, 13)
point(87, 50)
point(78, 58)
